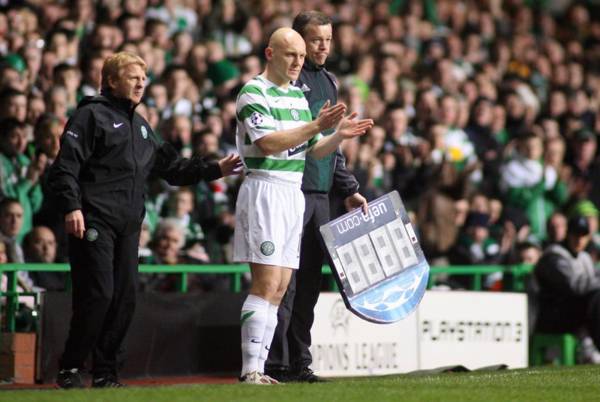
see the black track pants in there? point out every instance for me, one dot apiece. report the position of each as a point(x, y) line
point(104, 277)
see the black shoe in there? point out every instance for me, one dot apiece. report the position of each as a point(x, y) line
point(109, 381)
point(281, 374)
point(69, 379)
point(306, 375)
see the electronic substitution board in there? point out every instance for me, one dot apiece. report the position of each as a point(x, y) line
point(377, 260)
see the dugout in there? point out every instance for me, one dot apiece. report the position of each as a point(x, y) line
point(172, 334)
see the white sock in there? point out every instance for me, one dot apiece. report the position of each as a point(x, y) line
point(253, 321)
point(268, 336)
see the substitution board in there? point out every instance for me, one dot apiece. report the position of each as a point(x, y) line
point(377, 260)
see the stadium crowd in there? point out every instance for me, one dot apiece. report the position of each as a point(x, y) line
point(486, 116)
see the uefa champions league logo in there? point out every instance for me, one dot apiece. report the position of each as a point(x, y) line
point(256, 119)
point(392, 301)
point(339, 317)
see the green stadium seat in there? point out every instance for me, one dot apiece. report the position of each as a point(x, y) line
point(565, 343)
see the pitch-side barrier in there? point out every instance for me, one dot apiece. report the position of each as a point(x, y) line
point(514, 278)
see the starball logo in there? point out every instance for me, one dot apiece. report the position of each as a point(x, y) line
point(339, 317)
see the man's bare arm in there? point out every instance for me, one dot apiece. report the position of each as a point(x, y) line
point(279, 141)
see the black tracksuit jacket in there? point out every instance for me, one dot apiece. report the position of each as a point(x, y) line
point(107, 153)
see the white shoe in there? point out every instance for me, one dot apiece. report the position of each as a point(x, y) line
point(254, 377)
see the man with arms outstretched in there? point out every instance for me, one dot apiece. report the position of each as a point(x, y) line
point(107, 153)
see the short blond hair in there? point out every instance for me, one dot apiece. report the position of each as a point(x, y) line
point(113, 65)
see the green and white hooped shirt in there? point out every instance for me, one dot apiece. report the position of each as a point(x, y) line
point(262, 108)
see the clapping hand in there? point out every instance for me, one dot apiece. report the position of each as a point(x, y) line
point(349, 127)
point(330, 116)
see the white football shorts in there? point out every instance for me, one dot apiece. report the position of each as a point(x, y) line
point(268, 222)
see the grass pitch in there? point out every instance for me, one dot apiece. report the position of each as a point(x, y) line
point(572, 384)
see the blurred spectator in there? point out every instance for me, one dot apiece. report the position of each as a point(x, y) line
point(554, 156)
point(166, 246)
point(182, 44)
point(588, 210)
point(182, 93)
point(528, 253)
point(222, 72)
point(568, 293)
point(529, 185)
point(180, 208)
point(488, 147)
point(206, 144)
point(556, 228)
point(91, 75)
point(40, 246)
point(13, 75)
point(476, 246)
point(459, 147)
point(178, 131)
point(11, 222)
point(19, 176)
point(46, 135)
point(174, 14)
point(513, 227)
point(441, 213)
point(583, 154)
point(36, 106)
point(144, 251)
point(227, 25)
point(57, 102)
point(13, 104)
point(68, 77)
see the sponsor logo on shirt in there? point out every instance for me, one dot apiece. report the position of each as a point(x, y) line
point(297, 149)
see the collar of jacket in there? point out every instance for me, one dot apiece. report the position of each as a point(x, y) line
point(122, 104)
point(310, 66)
point(565, 245)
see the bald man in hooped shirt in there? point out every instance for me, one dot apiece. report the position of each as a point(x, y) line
point(275, 132)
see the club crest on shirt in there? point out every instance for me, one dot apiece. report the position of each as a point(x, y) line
point(144, 132)
point(295, 114)
point(267, 248)
point(256, 119)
